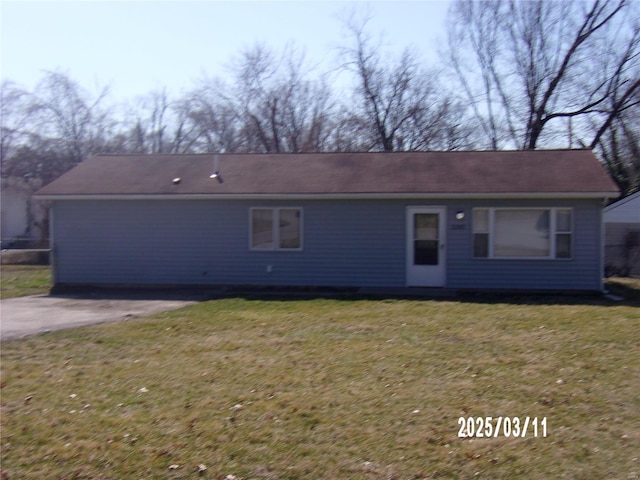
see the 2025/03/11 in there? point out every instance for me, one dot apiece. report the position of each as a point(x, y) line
point(493, 427)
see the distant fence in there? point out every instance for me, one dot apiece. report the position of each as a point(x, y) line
point(622, 249)
point(25, 257)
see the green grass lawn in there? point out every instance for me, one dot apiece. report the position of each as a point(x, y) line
point(329, 389)
point(21, 280)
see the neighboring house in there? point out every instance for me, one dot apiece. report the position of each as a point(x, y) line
point(526, 220)
point(22, 220)
point(622, 240)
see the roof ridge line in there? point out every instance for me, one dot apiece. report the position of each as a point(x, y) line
point(540, 150)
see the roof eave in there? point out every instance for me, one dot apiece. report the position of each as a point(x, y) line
point(332, 196)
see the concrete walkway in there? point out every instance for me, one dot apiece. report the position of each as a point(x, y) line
point(35, 314)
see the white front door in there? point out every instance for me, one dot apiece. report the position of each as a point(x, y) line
point(426, 246)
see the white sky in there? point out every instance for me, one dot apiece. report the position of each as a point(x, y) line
point(139, 46)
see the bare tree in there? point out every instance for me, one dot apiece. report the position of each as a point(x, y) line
point(524, 66)
point(156, 124)
point(280, 108)
point(212, 121)
point(50, 130)
point(397, 105)
point(258, 99)
point(304, 110)
point(473, 46)
point(14, 118)
point(619, 147)
point(383, 94)
point(64, 113)
point(270, 106)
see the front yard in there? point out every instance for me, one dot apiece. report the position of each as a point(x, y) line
point(330, 389)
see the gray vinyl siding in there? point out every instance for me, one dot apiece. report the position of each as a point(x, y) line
point(207, 242)
point(345, 243)
point(581, 272)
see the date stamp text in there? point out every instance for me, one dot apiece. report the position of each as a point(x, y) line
point(509, 427)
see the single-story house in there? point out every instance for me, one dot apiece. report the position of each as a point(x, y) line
point(622, 239)
point(526, 220)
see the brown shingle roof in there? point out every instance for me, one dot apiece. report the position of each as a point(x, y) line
point(438, 173)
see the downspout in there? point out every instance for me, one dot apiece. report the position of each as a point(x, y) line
point(52, 247)
point(605, 200)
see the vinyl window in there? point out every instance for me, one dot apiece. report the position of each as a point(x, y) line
point(276, 228)
point(525, 233)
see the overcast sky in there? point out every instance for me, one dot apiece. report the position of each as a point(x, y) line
point(139, 46)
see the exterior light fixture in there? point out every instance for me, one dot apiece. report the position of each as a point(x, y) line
point(460, 215)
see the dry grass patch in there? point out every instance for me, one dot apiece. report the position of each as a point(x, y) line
point(627, 287)
point(327, 389)
point(21, 280)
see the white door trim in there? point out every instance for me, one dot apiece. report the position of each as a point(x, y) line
point(426, 275)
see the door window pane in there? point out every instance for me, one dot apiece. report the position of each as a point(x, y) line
point(426, 226)
point(425, 243)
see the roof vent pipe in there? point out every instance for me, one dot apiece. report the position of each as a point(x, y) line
point(216, 171)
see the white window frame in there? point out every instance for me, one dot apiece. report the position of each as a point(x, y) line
point(553, 233)
point(275, 232)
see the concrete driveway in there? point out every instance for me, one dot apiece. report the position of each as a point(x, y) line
point(24, 316)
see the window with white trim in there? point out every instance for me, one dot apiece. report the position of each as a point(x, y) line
point(276, 228)
point(527, 233)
